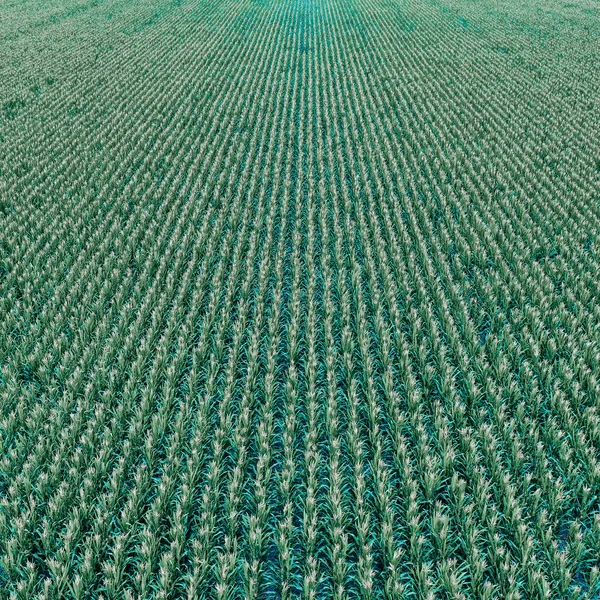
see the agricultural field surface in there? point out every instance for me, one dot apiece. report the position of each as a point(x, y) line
point(299, 299)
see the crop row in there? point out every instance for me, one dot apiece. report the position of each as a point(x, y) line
point(299, 299)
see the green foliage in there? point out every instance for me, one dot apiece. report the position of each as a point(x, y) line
point(299, 299)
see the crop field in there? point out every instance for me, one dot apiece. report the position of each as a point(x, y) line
point(299, 299)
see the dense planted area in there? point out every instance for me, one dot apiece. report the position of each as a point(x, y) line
point(299, 299)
